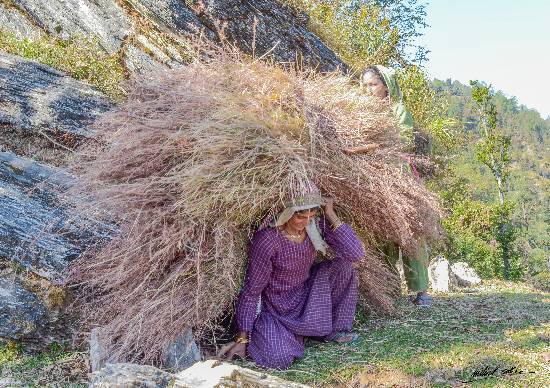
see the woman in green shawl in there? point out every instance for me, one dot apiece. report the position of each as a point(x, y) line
point(380, 81)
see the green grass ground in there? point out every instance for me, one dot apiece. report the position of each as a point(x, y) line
point(56, 367)
point(497, 335)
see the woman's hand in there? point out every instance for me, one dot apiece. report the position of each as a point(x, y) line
point(328, 206)
point(232, 349)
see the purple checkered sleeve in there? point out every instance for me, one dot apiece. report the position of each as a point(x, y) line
point(257, 277)
point(343, 241)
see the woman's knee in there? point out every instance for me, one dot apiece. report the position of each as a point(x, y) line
point(272, 357)
point(342, 269)
point(281, 361)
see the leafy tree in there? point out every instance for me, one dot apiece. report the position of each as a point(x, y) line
point(493, 150)
point(409, 17)
point(468, 225)
point(527, 184)
point(429, 108)
point(359, 33)
point(368, 32)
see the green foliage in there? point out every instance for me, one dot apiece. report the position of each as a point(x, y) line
point(470, 228)
point(379, 31)
point(542, 281)
point(360, 34)
point(368, 32)
point(409, 17)
point(470, 239)
point(525, 166)
point(57, 366)
point(493, 152)
point(493, 149)
point(490, 249)
point(9, 352)
point(429, 110)
point(82, 59)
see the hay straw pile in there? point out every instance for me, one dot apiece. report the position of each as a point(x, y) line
point(192, 162)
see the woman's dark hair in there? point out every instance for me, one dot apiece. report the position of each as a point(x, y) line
point(374, 71)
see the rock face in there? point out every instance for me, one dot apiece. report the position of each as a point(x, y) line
point(266, 26)
point(98, 354)
point(183, 353)
point(38, 105)
point(35, 97)
point(103, 19)
point(21, 312)
point(17, 23)
point(206, 374)
point(130, 376)
point(464, 275)
point(38, 102)
point(28, 204)
point(438, 273)
point(40, 236)
point(171, 15)
point(148, 32)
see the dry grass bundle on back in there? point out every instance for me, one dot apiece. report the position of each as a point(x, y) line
point(195, 158)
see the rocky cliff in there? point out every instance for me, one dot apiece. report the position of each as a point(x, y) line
point(145, 33)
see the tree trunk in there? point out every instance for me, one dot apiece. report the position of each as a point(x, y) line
point(505, 247)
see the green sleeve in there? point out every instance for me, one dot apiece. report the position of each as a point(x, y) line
point(406, 124)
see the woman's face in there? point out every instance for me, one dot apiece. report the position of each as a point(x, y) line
point(374, 85)
point(300, 220)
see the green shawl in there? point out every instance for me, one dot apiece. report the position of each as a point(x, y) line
point(402, 114)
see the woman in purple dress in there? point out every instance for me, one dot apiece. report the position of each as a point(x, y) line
point(295, 297)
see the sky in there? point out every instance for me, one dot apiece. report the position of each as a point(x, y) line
point(505, 43)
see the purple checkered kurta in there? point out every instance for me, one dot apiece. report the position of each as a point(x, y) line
point(299, 299)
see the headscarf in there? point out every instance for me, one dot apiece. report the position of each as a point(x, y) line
point(400, 111)
point(304, 202)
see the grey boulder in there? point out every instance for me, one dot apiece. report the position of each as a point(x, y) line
point(204, 374)
point(183, 352)
point(130, 376)
point(438, 273)
point(21, 312)
point(36, 230)
point(464, 275)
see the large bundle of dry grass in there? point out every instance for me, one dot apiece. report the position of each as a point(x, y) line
point(196, 157)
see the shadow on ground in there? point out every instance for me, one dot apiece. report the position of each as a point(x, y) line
point(498, 333)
